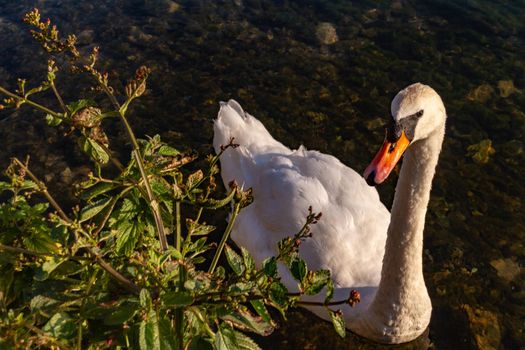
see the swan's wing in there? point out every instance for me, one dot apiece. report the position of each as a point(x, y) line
point(349, 239)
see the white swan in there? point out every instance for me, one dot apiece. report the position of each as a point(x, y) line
point(365, 247)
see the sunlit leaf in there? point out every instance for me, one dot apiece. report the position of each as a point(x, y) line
point(338, 322)
point(270, 266)
point(234, 260)
point(298, 269)
point(316, 281)
point(121, 314)
point(90, 210)
point(177, 299)
point(229, 339)
point(60, 326)
point(249, 263)
point(246, 321)
point(128, 236)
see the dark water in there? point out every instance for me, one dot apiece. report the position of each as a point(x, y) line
point(330, 96)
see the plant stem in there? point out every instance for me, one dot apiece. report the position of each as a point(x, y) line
point(177, 226)
point(318, 303)
point(29, 102)
point(224, 237)
point(59, 98)
point(152, 201)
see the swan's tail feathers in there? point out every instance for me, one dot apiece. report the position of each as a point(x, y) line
point(233, 122)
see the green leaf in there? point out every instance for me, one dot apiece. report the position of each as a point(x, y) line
point(40, 242)
point(145, 298)
point(316, 281)
point(298, 269)
point(168, 151)
point(218, 203)
point(338, 322)
point(149, 337)
point(177, 299)
point(90, 210)
point(52, 120)
point(329, 291)
point(249, 263)
point(200, 343)
point(60, 326)
point(234, 260)
point(279, 294)
point(260, 308)
point(229, 339)
point(123, 313)
point(128, 236)
point(197, 229)
point(96, 189)
point(43, 303)
point(270, 266)
point(5, 186)
point(244, 320)
point(75, 106)
point(93, 150)
point(45, 270)
point(194, 178)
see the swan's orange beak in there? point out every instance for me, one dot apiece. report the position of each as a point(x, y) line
point(385, 160)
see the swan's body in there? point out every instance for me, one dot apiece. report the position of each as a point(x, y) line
point(351, 239)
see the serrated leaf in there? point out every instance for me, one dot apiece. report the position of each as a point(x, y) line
point(93, 150)
point(145, 298)
point(45, 270)
point(75, 106)
point(128, 236)
point(229, 339)
point(194, 178)
point(329, 291)
point(270, 266)
point(90, 210)
point(298, 269)
point(149, 337)
point(218, 203)
point(168, 151)
point(95, 190)
point(234, 260)
point(279, 294)
point(177, 299)
point(43, 303)
point(244, 320)
point(198, 229)
point(261, 310)
point(60, 326)
point(249, 263)
point(200, 343)
point(52, 120)
point(338, 322)
point(121, 314)
point(40, 242)
point(316, 281)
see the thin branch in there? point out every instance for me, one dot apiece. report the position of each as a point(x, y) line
point(224, 237)
point(29, 102)
point(59, 98)
point(130, 286)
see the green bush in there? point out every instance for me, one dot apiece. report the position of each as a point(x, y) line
point(103, 274)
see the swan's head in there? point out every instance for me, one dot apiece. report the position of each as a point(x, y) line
point(417, 113)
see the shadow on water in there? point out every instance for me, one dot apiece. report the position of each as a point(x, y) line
point(322, 73)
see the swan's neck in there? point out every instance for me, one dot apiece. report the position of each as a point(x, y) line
point(402, 301)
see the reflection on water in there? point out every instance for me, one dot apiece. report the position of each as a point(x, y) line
point(322, 73)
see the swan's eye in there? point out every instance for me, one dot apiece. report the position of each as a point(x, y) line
point(419, 114)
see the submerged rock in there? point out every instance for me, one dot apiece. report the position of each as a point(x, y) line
point(326, 33)
point(484, 326)
point(506, 88)
point(507, 269)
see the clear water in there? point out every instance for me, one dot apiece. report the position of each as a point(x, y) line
point(334, 97)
